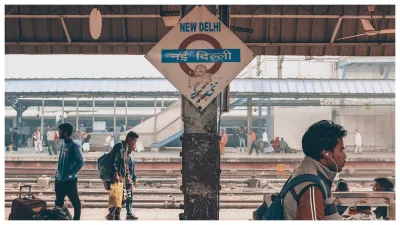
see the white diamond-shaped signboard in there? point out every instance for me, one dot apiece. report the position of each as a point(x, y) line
point(200, 56)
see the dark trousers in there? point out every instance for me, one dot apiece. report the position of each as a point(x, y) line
point(253, 146)
point(70, 189)
point(15, 145)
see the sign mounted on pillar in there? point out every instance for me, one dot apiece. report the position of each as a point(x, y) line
point(200, 56)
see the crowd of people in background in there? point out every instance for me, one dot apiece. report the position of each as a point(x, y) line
point(259, 143)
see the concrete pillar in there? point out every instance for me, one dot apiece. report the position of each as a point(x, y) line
point(197, 160)
point(14, 121)
point(20, 111)
point(93, 115)
point(249, 122)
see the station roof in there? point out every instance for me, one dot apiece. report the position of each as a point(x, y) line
point(239, 88)
point(308, 30)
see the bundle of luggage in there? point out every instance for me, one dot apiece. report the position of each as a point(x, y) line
point(29, 207)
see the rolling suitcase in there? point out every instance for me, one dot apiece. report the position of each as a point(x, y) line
point(25, 207)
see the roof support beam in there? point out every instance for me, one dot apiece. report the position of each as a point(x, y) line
point(65, 30)
point(236, 16)
point(336, 29)
point(365, 60)
point(154, 43)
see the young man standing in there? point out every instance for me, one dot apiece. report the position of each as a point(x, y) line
point(70, 161)
point(323, 146)
point(131, 165)
point(37, 140)
point(51, 136)
point(15, 139)
point(242, 137)
point(121, 171)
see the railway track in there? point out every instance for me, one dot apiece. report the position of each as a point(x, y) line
point(13, 172)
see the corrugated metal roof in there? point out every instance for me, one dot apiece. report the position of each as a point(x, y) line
point(159, 87)
point(278, 34)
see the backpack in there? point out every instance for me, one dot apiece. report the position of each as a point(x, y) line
point(104, 167)
point(57, 213)
point(105, 164)
point(275, 210)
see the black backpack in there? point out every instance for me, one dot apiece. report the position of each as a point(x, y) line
point(105, 164)
point(275, 210)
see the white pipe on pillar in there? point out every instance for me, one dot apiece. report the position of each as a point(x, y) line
point(162, 103)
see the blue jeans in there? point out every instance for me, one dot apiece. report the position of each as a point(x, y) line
point(129, 202)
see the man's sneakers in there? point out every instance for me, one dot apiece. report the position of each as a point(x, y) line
point(131, 217)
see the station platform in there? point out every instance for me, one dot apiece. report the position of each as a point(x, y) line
point(172, 155)
point(157, 214)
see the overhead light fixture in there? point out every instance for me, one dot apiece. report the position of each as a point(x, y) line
point(170, 18)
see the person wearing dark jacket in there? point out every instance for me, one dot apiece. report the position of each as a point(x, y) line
point(122, 172)
point(323, 146)
point(70, 162)
point(15, 139)
point(382, 184)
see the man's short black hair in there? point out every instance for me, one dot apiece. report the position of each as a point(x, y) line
point(66, 127)
point(322, 135)
point(263, 129)
point(131, 134)
point(385, 183)
point(342, 186)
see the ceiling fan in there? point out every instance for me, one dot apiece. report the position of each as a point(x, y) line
point(369, 28)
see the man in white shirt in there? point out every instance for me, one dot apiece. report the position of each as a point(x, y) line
point(358, 149)
point(265, 138)
point(37, 140)
point(51, 136)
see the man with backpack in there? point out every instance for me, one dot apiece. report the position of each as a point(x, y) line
point(122, 170)
point(307, 193)
point(70, 162)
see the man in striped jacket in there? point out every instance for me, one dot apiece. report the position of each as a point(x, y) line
point(324, 149)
